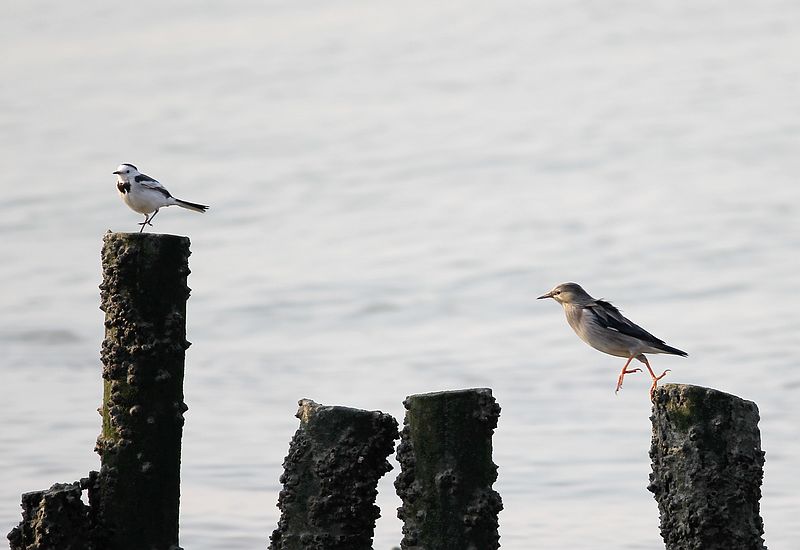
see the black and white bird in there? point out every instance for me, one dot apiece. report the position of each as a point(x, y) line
point(602, 326)
point(145, 195)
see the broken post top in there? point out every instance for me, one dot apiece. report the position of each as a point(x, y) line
point(150, 240)
point(452, 393)
point(329, 422)
point(687, 406)
point(308, 409)
point(149, 251)
point(691, 389)
point(144, 276)
point(148, 248)
point(478, 401)
point(136, 234)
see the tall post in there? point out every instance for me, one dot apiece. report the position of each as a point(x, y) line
point(330, 478)
point(446, 477)
point(707, 469)
point(143, 295)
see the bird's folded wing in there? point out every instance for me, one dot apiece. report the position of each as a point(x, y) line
point(144, 177)
point(608, 316)
point(155, 186)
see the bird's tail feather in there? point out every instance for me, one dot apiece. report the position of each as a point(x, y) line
point(674, 351)
point(191, 205)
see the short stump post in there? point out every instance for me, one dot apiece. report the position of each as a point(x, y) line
point(447, 472)
point(55, 518)
point(330, 478)
point(707, 469)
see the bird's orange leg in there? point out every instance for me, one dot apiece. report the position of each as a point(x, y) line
point(624, 372)
point(653, 376)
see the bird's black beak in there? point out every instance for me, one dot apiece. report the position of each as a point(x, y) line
point(117, 172)
point(543, 296)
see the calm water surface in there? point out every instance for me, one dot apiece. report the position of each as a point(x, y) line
point(391, 188)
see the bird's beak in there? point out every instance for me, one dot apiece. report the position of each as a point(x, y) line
point(543, 296)
point(117, 172)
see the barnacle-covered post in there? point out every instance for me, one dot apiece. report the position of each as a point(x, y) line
point(707, 469)
point(144, 296)
point(446, 477)
point(330, 478)
point(54, 518)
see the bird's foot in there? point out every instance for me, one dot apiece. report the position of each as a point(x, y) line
point(655, 381)
point(622, 376)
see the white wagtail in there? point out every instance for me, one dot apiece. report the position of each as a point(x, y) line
point(145, 195)
point(602, 326)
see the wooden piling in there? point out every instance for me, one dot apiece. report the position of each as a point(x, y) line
point(707, 469)
point(330, 478)
point(55, 518)
point(447, 472)
point(143, 295)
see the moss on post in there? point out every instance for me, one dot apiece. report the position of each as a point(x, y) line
point(447, 473)
point(707, 469)
point(143, 295)
point(330, 478)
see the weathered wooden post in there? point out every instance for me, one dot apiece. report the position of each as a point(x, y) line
point(707, 469)
point(447, 472)
point(330, 478)
point(133, 500)
point(55, 518)
point(144, 297)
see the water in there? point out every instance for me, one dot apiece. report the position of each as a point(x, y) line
point(391, 187)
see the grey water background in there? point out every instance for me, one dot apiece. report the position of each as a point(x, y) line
point(392, 185)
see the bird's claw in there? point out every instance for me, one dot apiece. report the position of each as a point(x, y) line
point(144, 224)
point(622, 375)
point(655, 381)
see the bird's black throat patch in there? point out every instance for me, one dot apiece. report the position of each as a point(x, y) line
point(123, 187)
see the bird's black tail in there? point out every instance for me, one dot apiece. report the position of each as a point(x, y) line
point(674, 351)
point(191, 205)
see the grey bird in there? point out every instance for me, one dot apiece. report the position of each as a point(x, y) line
point(602, 326)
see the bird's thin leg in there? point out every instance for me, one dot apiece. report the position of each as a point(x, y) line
point(653, 375)
point(145, 222)
point(624, 372)
point(147, 219)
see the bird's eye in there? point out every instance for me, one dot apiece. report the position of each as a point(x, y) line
point(557, 292)
point(127, 171)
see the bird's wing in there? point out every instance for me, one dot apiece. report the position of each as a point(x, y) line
point(149, 183)
point(609, 317)
point(144, 177)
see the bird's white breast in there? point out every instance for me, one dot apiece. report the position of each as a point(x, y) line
point(143, 200)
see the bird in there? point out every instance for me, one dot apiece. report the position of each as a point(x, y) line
point(146, 195)
point(602, 326)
